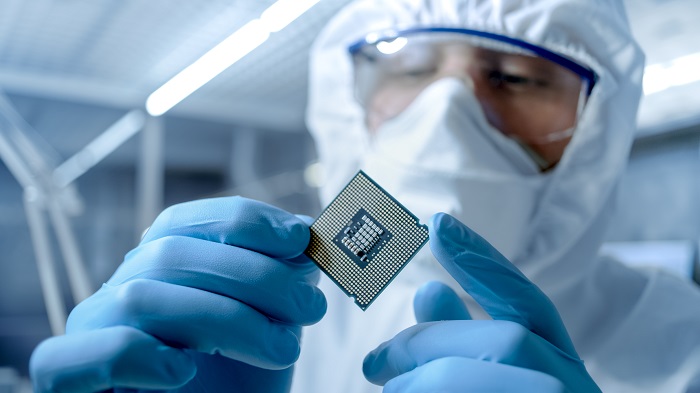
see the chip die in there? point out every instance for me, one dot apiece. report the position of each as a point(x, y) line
point(364, 238)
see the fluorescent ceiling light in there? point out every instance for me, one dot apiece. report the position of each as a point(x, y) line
point(284, 12)
point(681, 71)
point(227, 53)
point(214, 62)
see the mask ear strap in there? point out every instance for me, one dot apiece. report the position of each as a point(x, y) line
point(541, 163)
point(558, 136)
point(554, 137)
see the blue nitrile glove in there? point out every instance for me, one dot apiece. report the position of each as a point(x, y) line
point(213, 299)
point(524, 349)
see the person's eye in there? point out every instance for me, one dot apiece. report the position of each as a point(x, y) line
point(419, 72)
point(511, 80)
point(412, 72)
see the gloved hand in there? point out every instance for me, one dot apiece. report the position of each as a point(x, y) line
point(213, 299)
point(525, 348)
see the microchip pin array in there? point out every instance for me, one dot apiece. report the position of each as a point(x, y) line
point(364, 238)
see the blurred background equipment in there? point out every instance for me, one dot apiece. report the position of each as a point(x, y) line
point(78, 75)
point(48, 191)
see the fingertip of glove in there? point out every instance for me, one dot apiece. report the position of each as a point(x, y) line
point(448, 233)
point(440, 225)
point(320, 305)
point(440, 219)
point(294, 235)
point(308, 220)
point(429, 293)
point(431, 289)
point(37, 362)
point(284, 349)
point(440, 233)
point(308, 304)
point(373, 366)
point(368, 366)
point(436, 301)
point(300, 232)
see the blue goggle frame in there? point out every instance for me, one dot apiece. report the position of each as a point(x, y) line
point(587, 74)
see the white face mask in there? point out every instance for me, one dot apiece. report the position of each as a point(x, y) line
point(442, 155)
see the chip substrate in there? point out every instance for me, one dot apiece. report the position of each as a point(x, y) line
point(364, 238)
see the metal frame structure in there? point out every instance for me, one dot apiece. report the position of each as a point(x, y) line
point(50, 195)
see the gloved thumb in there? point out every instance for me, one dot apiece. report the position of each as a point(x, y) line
point(498, 286)
point(435, 301)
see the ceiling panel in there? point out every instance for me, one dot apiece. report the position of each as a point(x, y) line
point(116, 52)
point(118, 40)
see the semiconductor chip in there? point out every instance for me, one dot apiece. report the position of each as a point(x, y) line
point(364, 238)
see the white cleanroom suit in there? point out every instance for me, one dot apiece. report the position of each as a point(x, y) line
point(636, 331)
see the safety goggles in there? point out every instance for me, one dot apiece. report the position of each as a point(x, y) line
point(525, 91)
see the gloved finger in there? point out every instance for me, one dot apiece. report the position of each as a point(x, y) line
point(497, 341)
point(235, 221)
point(315, 273)
point(498, 286)
point(306, 219)
point(119, 356)
point(282, 290)
point(435, 301)
point(190, 318)
point(460, 375)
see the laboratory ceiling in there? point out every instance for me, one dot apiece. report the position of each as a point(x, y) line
point(115, 53)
